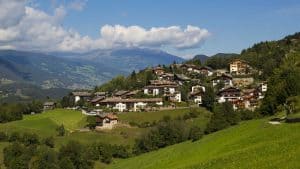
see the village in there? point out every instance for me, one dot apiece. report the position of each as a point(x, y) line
point(236, 85)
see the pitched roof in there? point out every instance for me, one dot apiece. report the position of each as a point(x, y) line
point(100, 93)
point(120, 100)
point(83, 94)
point(121, 92)
point(49, 103)
point(97, 99)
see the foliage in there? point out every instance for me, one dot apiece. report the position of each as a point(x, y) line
point(61, 130)
point(284, 83)
point(223, 116)
point(209, 98)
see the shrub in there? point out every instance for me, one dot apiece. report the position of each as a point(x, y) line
point(49, 141)
point(195, 133)
point(61, 130)
point(3, 136)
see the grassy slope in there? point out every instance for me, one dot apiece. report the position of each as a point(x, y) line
point(252, 144)
point(140, 117)
point(45, 124)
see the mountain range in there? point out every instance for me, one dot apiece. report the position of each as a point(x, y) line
point(74, 70)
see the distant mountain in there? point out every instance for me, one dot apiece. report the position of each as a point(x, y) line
point(225, 55)
point(128, 59)
point(202, 58)
point(76, 70)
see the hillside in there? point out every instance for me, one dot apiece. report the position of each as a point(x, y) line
point(252, 144)
point(73, 70)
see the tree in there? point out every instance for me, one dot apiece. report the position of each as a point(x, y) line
point(66, 163)
point(15, 136)
point(46, 159)
point(195, 133)
point(91, 120)
point(209, 98)
point(49, 141)
point(60, 130)
point(231, 116)
point(77, 154)
point(218, 120)
point(30, 139)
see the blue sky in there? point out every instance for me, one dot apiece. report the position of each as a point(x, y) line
point(233, 24)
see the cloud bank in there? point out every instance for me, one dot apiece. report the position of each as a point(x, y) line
point(28, 28)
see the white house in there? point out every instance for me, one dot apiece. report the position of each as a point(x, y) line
point(81, 95)
point(106, 121)
point(130, 104)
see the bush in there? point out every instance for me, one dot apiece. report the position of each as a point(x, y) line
point(195, 133)
point(15, 136)
point(30, 139)
point(3, 136)
point(61, 130)
point(248, 115)
point(49, 141)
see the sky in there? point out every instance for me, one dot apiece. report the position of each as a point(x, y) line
point(180, 27)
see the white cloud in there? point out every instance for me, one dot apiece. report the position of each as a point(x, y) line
point(77, 5)
point(34, 29)
point(135, 36)
point(11, 12)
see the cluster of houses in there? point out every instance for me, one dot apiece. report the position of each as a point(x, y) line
point(235, 85)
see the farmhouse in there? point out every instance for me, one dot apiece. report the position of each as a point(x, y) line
point(49, 105)
point(166, 76)
point(190, 68)
point(158, 70)
point(106, 121)
point(239, 67)
point(160, 87)
point(197, 93)
point(95, 101)
point(219, 72)
point(81, 95)
point(226, 79)
point(206, 71)
point(122, 105)
point(229, 94)
point(263, 87)
point(242, 81)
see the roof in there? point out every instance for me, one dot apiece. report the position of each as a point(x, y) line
point(110, 116)
point(97, 99)
point(132, 92)
point(206, 67)
point(197, 93)
point(120, 100)
point(182, 77)
point(121, 93)
point(248, 90)
point(83, 94)
point(235, 60)
point(100, 93)
point(161, 86)
point(229, 88)
point(162, 82)
point(223, 76)
point(49, 103)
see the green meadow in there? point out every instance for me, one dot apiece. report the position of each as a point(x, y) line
point(251, 144)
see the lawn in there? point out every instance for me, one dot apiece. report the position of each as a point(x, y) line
point(45, 123)
point(252, 144)
point(140, 117)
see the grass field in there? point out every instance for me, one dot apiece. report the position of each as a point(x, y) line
point(252, 144)
point(45, 123)
point(140, 117)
